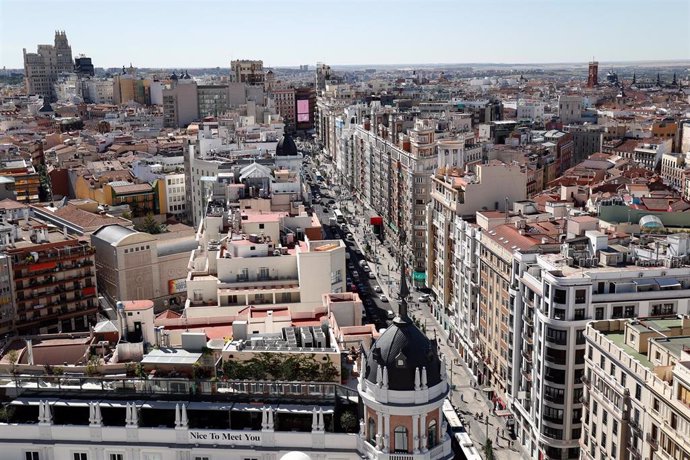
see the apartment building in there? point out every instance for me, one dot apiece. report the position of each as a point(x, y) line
point(636, 398)
point(41, 69)
point(171, 188)
point(570, 108)
point(247, 71)
point(284, 99)
point(52, 278)
point(214, 100)
point(458, 194)
point(592, 277)
point(26, 180)
point(210, 161)
point(252, 258)
point(394, 180)
point(180, 103)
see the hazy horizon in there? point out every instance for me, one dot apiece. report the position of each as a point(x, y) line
point(210, 33)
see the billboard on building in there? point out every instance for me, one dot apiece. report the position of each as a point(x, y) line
point(177, 286)
point(303, 114)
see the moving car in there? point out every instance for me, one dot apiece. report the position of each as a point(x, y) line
point(424, 298)
point(372, 276)
point(378, 289)
point(383, 298)
point(390, 314)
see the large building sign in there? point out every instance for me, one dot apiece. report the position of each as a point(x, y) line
point(224, 437)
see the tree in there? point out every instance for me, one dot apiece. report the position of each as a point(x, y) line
point(6, 413)
point(488, 450)
point(103, 127)
point(149, 225)
point(92, 367)
point(13, 357)
point(348, 422)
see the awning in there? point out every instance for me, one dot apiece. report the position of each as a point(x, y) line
point(668, 282)
point(645, 281)
point(503, 413)
point(419, 276)
point(487, 390)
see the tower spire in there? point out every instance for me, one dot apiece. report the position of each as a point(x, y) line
point(404, 293)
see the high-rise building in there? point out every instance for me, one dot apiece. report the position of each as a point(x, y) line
point(323, 74)
point(247, 71)
point(180, 102)
point(83, 66)
point(557, 295)
point(41, 69)
point(593, 74)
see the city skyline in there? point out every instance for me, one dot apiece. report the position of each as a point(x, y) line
point(567, 32)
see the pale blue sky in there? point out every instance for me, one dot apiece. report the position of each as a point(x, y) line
point(190, 34)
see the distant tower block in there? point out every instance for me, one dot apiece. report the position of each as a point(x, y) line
point(593, 77)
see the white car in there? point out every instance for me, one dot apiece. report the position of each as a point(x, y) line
point(366, 269)
point(372, 276)
point(424, 298)
point(378, 289)
point(383, 298)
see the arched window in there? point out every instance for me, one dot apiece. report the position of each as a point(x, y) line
point(400, 439)
point(371, 433)
point(432, 435)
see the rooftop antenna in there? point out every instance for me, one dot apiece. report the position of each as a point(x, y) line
point(506, 211)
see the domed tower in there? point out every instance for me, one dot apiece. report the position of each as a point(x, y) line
point(403, 385)
point(286, 146)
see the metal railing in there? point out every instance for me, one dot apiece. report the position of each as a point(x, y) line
point(218, 390)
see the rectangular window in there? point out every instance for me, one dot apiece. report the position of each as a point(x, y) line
point(31, 456)
point(638, 392)
point(599, 313)
point(80, 456)
point(580, 296)
point(663, 309)
point(263, 273)
point(559, 296)
point(116, 457)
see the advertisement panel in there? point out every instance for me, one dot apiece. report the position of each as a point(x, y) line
point(176, 286)
point(303, 110)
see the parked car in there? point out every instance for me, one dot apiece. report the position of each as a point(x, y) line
point(390, 314)
point(372, 276)
point(366, 268)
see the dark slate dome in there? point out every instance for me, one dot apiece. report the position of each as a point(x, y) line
point(402, 348)
point(286, 147)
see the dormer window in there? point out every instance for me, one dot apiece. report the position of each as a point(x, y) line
point(400, 360)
